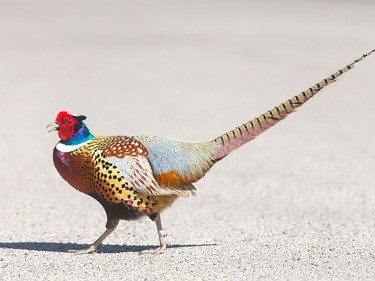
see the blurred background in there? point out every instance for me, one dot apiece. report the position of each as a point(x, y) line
point(193, 70)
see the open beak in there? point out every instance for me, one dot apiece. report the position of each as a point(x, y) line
point(53, 127)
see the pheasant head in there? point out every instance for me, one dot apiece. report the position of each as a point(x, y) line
point(71, 128)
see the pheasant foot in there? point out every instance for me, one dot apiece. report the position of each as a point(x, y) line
point(92, 249)
point(159, 250)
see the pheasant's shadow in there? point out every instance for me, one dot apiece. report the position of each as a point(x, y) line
point(64, 247)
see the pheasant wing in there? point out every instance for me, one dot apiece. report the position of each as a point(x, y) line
point(130, 157)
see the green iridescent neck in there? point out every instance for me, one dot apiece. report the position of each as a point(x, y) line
point(80, 136)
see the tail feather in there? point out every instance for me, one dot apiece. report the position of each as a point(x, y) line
point(233, 139)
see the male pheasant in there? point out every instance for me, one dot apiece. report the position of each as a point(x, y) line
point(133, 176)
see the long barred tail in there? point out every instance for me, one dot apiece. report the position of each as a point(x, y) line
point(233, 139)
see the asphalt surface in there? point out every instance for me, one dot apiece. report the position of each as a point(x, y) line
point(297, 203)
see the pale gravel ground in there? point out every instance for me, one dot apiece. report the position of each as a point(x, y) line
point(298, 203)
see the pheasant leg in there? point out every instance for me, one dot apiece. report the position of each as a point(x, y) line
point(98, 243)
point(162, 234)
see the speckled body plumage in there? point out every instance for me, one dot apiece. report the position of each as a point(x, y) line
point(95, 169)
point(143, 175)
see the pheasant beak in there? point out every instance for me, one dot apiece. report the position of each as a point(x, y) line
point(53, 126)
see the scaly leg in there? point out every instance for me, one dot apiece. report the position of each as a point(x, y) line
point(163, 245)
point(111, 226)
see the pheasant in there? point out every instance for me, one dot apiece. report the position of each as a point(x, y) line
point(135, 176)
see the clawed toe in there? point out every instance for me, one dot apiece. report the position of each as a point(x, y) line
point(89, 250)
point(156, 251)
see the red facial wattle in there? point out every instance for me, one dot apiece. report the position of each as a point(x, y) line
point(66, 131)
point(66, 122)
